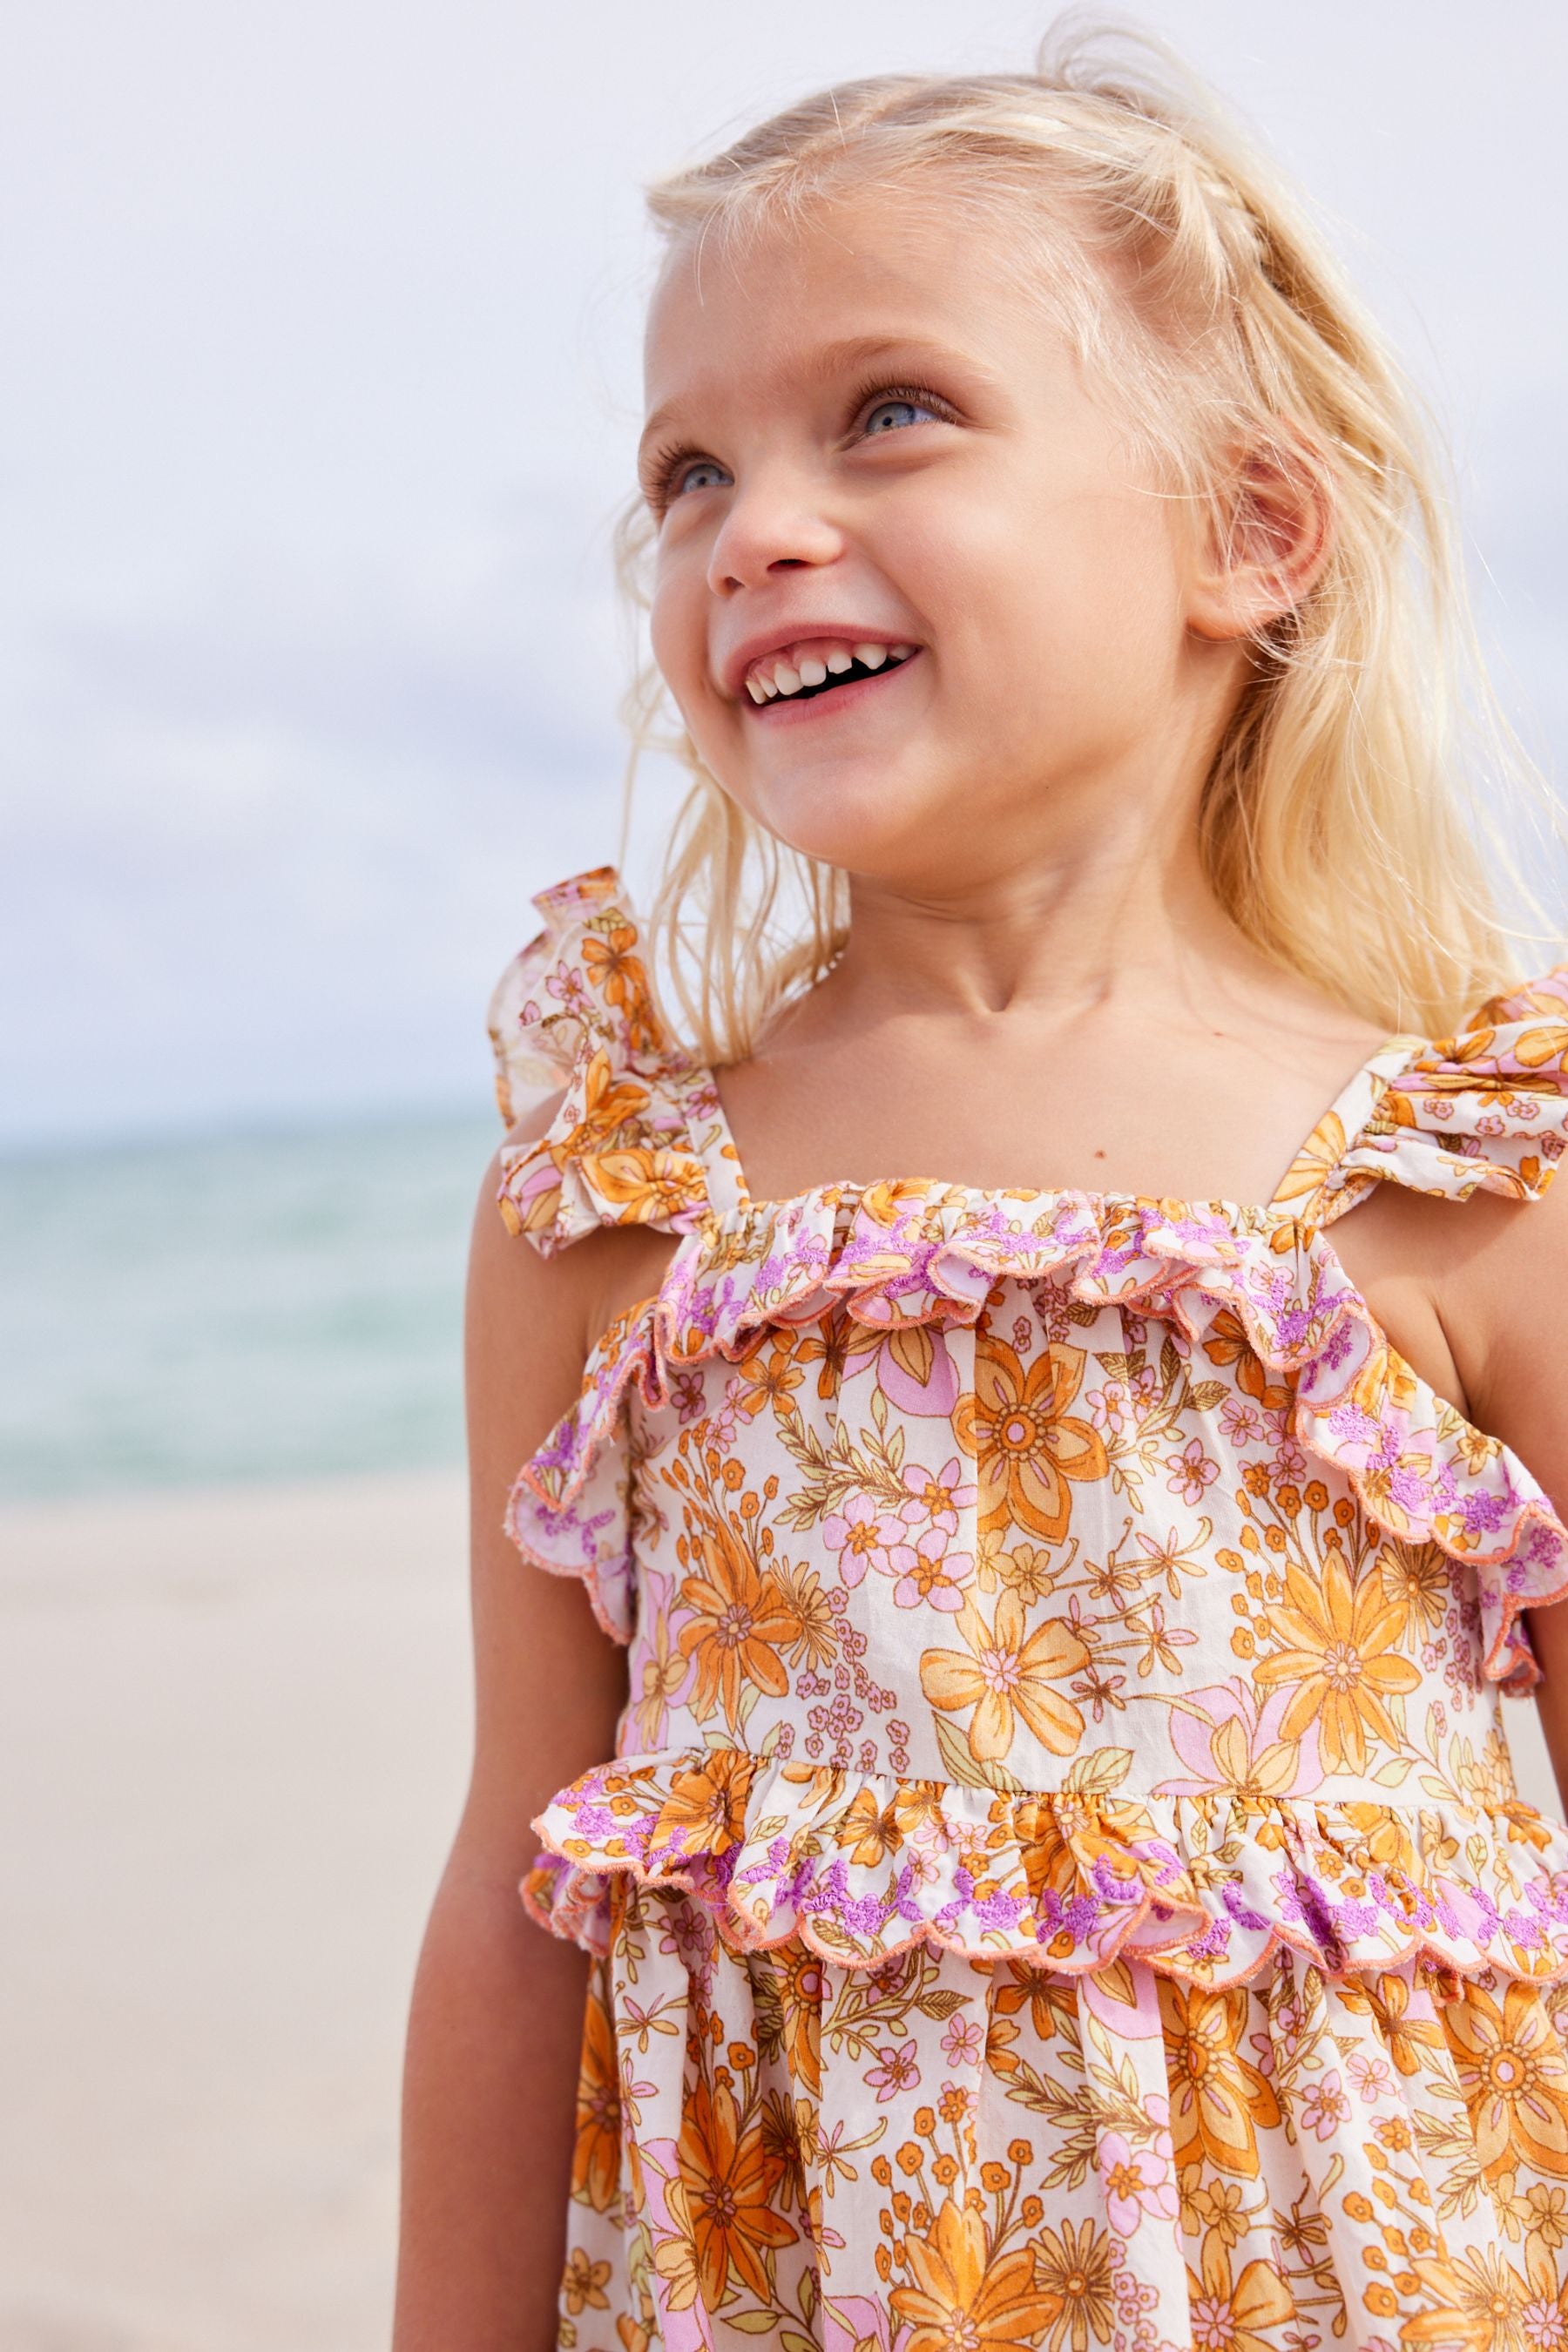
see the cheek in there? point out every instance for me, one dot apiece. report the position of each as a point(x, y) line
point(677, 623)
point(1069, 600)
point(677, 633)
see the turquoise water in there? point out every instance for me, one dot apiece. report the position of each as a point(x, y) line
point(238, 1306)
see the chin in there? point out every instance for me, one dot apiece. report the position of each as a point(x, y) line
point(863, 815)
point(870, 840)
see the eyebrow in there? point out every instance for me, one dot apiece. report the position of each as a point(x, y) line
point(832, 360)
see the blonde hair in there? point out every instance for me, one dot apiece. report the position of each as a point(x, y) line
point(1342, 823)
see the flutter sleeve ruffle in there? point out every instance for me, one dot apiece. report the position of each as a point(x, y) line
point(637, 1137)
point(575, 1009)
point(1483, 1111)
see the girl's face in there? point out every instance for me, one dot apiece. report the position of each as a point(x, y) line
point(861, 437)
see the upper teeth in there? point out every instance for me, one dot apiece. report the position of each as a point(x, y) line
point(794, 667)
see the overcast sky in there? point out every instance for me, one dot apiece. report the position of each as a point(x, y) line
point(320, 390)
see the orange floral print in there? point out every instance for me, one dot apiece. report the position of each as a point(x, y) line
point(620, 976)
point(1512, 2073)
point(1473, 2304)
point(962, 2296)
point(1219, 2100)
point(705, 1807)
point(1009, 1673)
point(609, 1104)
point(650, 1187)
point(1409, 2036)
point(1061, 1881)
point(1338, 1654)
point(597, 2156)
point(740, 1620)
point(1027, 1446)
point(1072, 2267)
point(727, 2176)
point(1231, 2313)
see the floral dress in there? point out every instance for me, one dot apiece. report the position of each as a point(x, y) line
point(1061, 1882)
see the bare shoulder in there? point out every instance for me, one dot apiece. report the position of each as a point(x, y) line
point(1504, 1292)
point(1482, 1284)
point(527, 1313)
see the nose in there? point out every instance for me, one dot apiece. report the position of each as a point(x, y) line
point(773, 522)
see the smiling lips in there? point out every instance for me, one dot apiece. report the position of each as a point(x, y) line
point(806, 668)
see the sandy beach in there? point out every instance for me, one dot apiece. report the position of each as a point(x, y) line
point(234, 1737)
point(233, 1745)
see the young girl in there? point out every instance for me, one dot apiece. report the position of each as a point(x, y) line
point(1040, 1510)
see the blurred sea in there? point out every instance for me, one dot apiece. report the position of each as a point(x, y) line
point(262, 1305)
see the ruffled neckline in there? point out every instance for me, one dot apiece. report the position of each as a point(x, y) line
point(893, 1257)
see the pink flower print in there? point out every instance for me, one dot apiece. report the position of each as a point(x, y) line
point(1371, 2076)
point(1135, 2183)
point(926, 1849)
point(1110, 1408)
point(863, 1537)
point(1241, 1421)
point(896, 2070)
point(1230, 1742)
point(1545, 2329)
point(937, 1496)
point(1289, 2020)
point(690, 1935)
point(963, 2041)
point(930, 1574)
point(1289, 1461)
point(686, 1395)
point(1276, 1427)
point(1191, 1471)
point(1170, 1558)
point(567, 985)
point(1324, 2106)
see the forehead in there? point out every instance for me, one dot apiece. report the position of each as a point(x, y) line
point(794, 300)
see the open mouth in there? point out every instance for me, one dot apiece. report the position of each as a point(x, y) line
point(853, 675)
point(784, 686)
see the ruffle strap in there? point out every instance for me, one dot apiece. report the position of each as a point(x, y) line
point(544, 1013)
point(633, 1137)
point(1203, 1888)
point(1483, 1111)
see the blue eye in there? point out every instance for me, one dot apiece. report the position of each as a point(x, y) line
point(690, 478)
point(897, 411)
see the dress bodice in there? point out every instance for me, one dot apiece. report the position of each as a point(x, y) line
point(1049, 1571)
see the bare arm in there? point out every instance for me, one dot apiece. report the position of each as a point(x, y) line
point(490, 2070)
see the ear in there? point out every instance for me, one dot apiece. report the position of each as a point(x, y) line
point(1262, 555)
